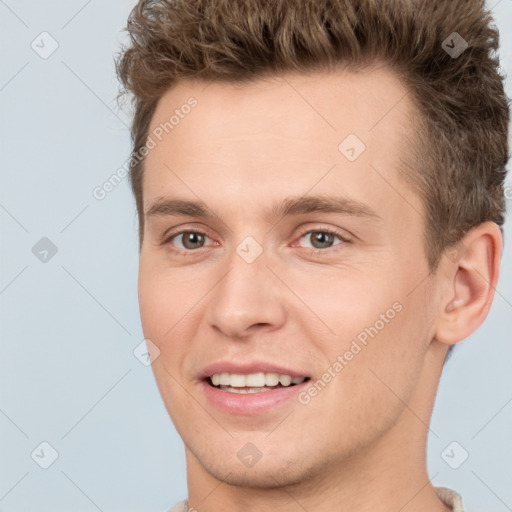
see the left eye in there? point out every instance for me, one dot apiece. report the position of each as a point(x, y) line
point(322, 239)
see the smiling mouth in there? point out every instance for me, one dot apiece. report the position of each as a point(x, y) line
point(253, 383)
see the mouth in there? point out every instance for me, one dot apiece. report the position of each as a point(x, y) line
point(249, 388)
point(259, 382)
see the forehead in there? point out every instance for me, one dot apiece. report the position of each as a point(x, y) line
point(323, 130)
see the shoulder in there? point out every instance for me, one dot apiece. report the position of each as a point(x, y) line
point(181, 506)
point(450, 498)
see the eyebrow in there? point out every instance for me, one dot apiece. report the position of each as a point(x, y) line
point(289, 206)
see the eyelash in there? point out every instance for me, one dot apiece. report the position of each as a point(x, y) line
point(330, 231)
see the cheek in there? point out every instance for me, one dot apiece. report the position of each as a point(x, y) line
point(163, 300)
point(367, 396)
point(374, 337)
point(162, 304)
point(385, 373)
point(344, 304)
point(152, 302)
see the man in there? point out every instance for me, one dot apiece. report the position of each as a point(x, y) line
point(319, 186)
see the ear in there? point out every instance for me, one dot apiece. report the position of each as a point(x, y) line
point(470, 273)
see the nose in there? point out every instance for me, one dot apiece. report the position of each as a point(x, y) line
point(247, 298)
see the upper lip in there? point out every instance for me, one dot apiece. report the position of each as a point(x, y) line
point(247, 368)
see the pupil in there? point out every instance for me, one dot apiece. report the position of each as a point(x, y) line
point(191, 239)
point(323, 238)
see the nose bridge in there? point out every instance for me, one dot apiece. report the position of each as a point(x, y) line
point(247, 295)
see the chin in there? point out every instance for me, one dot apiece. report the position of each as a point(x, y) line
point(267, 474)
point(271, 478)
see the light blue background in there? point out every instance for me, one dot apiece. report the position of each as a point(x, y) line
point(68, 375)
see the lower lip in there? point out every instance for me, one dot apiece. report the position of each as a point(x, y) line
point(250, 403)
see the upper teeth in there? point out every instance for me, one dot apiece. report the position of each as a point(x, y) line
point(236, 380)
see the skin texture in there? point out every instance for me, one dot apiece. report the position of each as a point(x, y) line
point(359, 444)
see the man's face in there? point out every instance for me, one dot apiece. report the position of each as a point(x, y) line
point(249, 288)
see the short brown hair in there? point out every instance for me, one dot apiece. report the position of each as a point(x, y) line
point(460, 150)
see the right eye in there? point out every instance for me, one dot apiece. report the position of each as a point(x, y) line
point(187, 241)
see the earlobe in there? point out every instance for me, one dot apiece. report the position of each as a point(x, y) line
point(471, 279)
